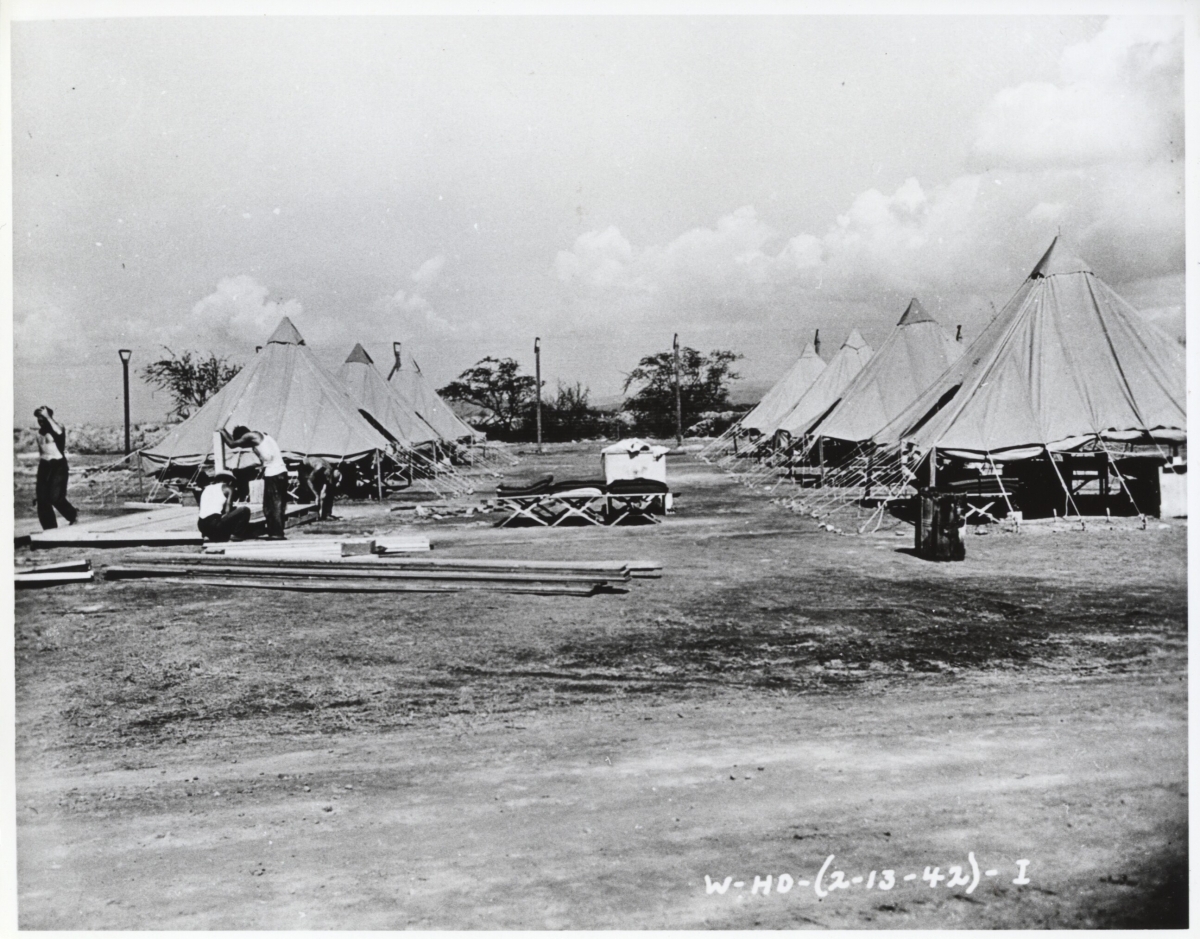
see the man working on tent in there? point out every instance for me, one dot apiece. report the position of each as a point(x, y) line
point(275, 476)
point(51, 488)
point(220, 519)
point(318, 481)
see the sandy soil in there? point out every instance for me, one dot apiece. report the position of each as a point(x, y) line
point(223, 759)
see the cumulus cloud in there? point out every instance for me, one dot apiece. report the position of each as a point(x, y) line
point(239, 312)
point(1096, 156)
point(1120, 98)
point(42, 329)
point(429, 271)
point(408, 314)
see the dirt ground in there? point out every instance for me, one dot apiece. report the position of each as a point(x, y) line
point(222, 759)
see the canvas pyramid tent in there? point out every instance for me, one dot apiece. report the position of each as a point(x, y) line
point(914, 355)
point(381, 400)
point(1066, 361)
point(284, 392)
point(416, 391)
point(829, 386)
point(784, 394)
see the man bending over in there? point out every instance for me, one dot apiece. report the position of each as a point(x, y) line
point(275, 476)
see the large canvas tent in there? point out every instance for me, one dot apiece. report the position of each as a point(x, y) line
point(284, 392)
point(416, 391)
point(776, 403)
point(382, 400)
point(1067, 361)
point(829, 386)
point(914, 355)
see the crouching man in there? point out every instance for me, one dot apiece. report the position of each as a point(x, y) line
point(220, 519)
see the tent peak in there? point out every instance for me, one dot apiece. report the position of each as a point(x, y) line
point(359, 354)
point(915, 313)
point(854, 340)
point(286, 334)
point(1059, 260)
point(810, 351)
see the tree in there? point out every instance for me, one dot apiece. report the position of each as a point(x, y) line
point(495, 384)
point(703, 385)
point(569, 416)
point(190, 378)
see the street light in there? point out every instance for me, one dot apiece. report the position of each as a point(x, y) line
point(395, 360)
point(537, 358)
point(125, 354)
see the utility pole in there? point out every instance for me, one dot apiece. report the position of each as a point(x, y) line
point(537, 359)
point(678, 396)
point(125, 354)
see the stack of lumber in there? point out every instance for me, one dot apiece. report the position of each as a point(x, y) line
point(53, 575)
point(373, 574)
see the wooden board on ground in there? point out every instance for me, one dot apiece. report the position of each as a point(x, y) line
point(52, 579)
point(170, 525)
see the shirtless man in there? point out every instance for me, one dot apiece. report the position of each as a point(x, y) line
point(220, 519)
point(275, 475)
point(52, 472)
point(319, 480)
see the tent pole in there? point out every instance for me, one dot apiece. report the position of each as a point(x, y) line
point(821, 462)
point(1066, 490)
point(378, 476)
point(933, 467)
point(141, 479)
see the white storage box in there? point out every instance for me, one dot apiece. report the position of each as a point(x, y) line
point(1172, 484)
point(634, 459)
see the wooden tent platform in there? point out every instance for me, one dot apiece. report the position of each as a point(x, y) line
point(172, 525)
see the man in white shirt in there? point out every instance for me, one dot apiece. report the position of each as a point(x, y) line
point(275, 474)
point(51, 488)
point(220, 519)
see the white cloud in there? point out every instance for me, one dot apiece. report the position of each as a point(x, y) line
point(238, 312)
point(410, 314)
point(1120, 98)
point(429, 271)
point(1097, 155)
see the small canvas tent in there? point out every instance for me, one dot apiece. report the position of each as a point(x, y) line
point(1065, 362)
point(914, 355)
point(829, 386)
point(418, 393)
point(382, 400)
point(284, 392)
point(776, 403)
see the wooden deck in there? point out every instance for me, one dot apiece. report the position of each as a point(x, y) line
point(171, 525)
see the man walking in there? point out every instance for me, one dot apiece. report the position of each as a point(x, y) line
point(275, 475)
point(220, 519)
point(52, 472)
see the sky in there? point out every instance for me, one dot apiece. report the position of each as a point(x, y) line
point(464, 184)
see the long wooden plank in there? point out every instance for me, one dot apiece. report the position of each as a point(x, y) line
point(121, 571)
point(52, 579)
point(565, 590)
point(81, 564)
point(114, 539)
point(636, 568)
point(368, 567)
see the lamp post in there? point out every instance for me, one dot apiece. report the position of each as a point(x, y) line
point(678, 396)
point(396, 360)
point(537, 359)
point(125, 354)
